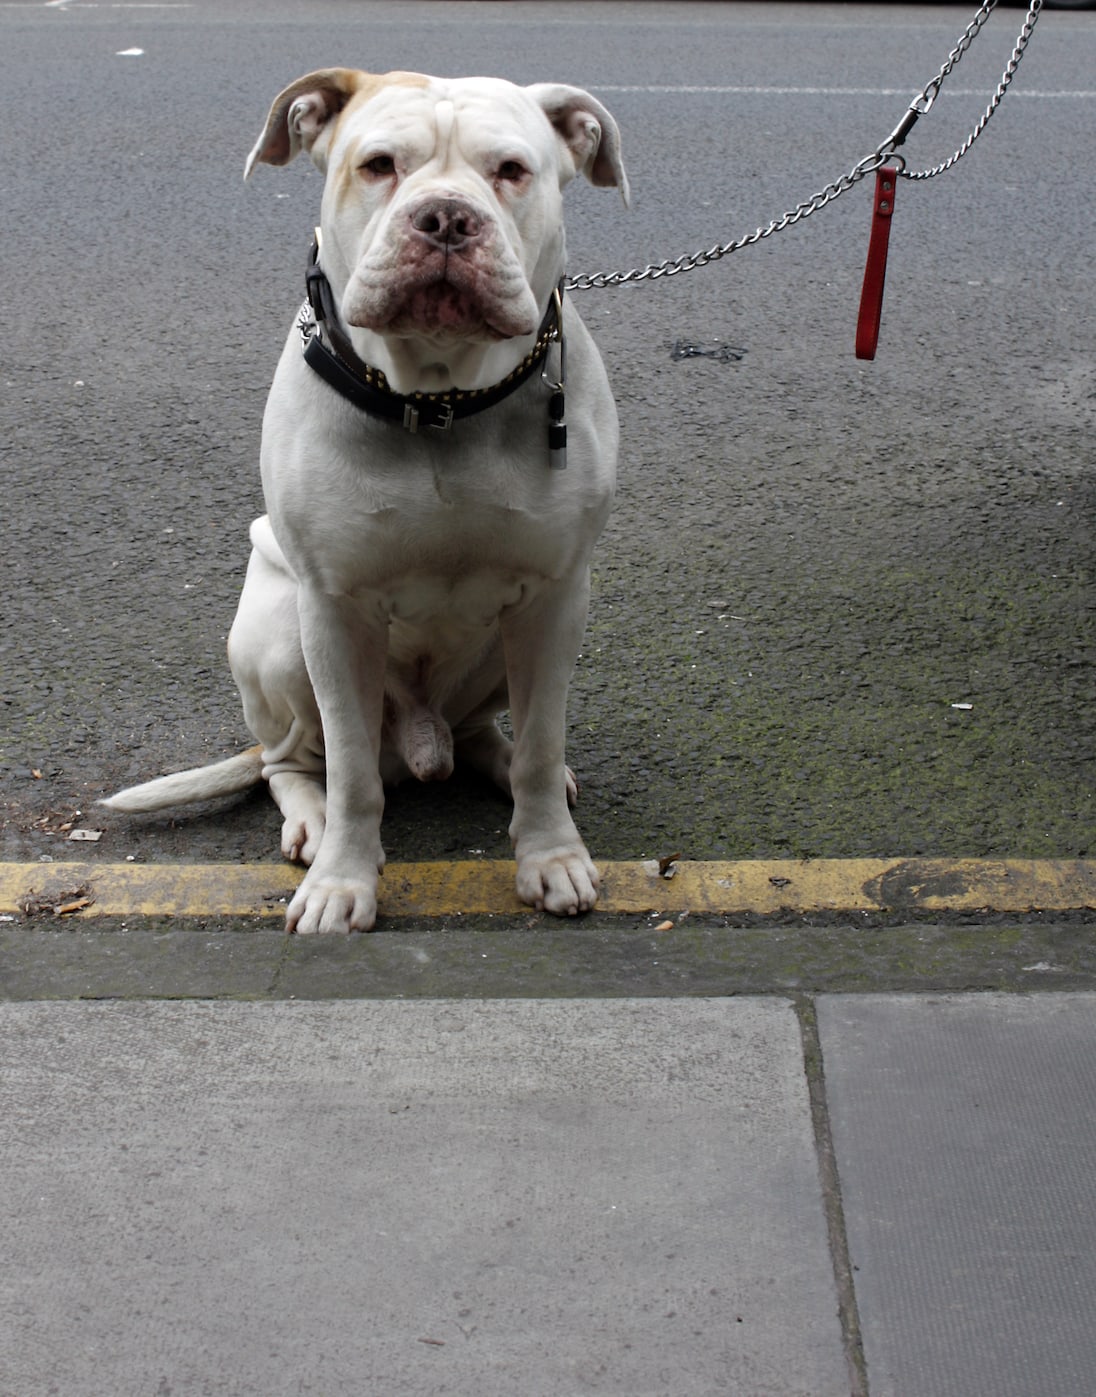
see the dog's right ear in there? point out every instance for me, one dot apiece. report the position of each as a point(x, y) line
point(301, 117)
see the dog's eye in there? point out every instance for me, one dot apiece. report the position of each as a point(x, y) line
point(512, 171)
point(379, 167)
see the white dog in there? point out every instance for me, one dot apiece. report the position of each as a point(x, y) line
point(424, 562)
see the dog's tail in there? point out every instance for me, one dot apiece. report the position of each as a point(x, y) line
point(226, 778)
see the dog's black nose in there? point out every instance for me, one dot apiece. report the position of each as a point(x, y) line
point(447, 223)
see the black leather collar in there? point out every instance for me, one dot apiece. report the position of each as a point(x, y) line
point(329, 352)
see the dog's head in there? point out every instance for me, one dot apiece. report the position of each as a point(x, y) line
point(442, 221)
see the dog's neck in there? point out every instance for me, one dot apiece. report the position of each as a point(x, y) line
point(414, 365)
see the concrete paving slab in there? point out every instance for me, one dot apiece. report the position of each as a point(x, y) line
point(965, 1130)
point(459, 1197)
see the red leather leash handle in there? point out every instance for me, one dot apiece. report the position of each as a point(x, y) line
point(875, 272)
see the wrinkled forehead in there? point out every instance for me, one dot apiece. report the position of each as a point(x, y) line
point(478, 113)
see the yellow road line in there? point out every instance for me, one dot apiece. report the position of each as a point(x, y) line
point(82, 890)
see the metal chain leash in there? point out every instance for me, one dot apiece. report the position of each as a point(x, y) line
point(870, 163)
point(929, 94)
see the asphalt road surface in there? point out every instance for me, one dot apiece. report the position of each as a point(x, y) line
point(842, 608)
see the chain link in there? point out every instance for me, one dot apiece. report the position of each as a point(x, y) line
point(1032, 16)
point(883, 152)
point(690, 261)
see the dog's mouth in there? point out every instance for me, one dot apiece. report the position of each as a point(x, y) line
point(441, 308)
point(443, 302)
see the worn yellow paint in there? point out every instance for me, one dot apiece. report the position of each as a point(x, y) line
point(448, 889)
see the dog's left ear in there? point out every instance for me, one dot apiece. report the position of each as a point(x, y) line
point(587, 130)
point(301, 117)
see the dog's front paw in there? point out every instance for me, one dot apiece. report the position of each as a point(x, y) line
point(325, 905)
point(562, 881)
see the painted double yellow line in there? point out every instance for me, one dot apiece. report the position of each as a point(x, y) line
point(765, 887)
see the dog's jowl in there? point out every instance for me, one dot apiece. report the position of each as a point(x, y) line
point(438, 458)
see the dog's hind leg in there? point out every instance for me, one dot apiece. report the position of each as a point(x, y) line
point(264, 650)
point(486, 750)
point(302, 799)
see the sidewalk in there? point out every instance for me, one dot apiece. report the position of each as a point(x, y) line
point(780, 1193)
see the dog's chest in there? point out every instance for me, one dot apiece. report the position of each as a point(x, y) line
point(449, 605)
point(448, 531)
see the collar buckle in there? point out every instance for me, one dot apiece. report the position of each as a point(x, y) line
point(440, 417)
